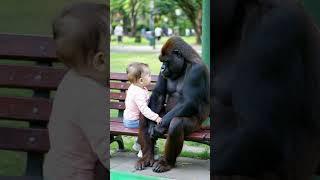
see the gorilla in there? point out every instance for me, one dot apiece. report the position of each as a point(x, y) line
point(181, 97)
point(266, 90)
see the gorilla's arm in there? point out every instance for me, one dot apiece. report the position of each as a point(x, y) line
point(269, 79)
point(195, 92)
point(158, 95)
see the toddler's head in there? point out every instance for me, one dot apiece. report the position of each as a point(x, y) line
point(139, 74)
point(81, 35)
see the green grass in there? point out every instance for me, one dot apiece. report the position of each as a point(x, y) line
point(119, 61)
point(126, 40)
point(12, 163)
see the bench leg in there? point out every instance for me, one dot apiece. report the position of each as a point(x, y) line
point(119, 140)
point(34, 164)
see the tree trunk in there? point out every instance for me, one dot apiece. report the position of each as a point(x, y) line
point(198, 28)
point(125, 24)
point(133, 16)
point(193, 15)
point(133, 26)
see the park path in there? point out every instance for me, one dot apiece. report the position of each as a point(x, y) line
point(186, 168)
point(143, 48)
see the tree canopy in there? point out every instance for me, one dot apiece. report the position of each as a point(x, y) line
point(135, 14)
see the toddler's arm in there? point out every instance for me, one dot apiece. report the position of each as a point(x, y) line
point(141, 102)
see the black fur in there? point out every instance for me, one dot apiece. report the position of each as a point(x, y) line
point(265, 89)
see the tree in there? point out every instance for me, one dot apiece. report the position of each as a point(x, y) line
point(133, 7)
point(193, 10)
point(167, 8)
point(117, 12)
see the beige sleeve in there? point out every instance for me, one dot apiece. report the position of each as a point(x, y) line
point(95, 124)
point(141, 101)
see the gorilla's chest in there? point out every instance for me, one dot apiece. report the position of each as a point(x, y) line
point(175, 86)
point(174, 92)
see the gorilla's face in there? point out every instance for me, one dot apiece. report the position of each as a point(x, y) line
point(173, 64)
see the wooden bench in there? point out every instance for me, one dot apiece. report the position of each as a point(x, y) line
point(40, 74)
point(118, 85)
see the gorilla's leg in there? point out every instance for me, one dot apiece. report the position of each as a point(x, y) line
point(147, 145)
point(178, 129)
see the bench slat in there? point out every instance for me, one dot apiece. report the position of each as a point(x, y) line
point(118, 96)
point(117, 105)
point(22, 47)
point(29, 140)
point(117, 128)
point(30, 77)
point(26, 109)
point(119, 85)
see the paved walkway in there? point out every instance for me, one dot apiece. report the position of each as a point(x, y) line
point(186, 168)
point(143, 48)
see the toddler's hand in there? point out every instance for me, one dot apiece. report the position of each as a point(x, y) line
point(158, 120)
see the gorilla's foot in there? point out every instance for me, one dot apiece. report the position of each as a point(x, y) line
point(162, 166)
point(145, 161)
point(157, 132)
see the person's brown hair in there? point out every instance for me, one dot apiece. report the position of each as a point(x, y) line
point(135, 71)
point(79, 31)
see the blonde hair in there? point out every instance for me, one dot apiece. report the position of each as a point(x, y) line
point(136, 70)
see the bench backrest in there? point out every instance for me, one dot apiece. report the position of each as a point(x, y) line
point(36, 73)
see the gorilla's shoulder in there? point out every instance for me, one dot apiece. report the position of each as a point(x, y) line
point(199, 67)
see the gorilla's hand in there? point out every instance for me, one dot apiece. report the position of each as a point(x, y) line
point(156, 131)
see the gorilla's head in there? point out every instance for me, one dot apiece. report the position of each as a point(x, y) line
point(175, 55)
point(173, 64)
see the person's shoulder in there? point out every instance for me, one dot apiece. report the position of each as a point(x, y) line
point(67, 84)
point(136, 90)
point(93, 89)
point(85, 87)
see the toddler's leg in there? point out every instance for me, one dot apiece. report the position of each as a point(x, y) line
point(136, 146)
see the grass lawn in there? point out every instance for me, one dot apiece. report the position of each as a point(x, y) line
point(119, 61)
